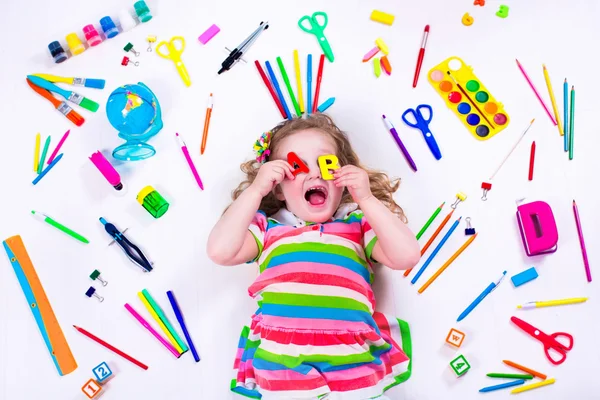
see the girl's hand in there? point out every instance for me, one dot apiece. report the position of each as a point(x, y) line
point(356, 180)
point(271, 174)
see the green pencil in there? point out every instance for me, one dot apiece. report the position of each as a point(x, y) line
point(435, 214)
point(572, 123)
point(288, 85)
point(43, 157)
point(164, 319)
point(509, 376)
point(44, 218)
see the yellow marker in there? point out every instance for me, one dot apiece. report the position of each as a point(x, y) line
point(377, 66)
point(160, 323)
point(550, 303)
point(382, 46)
point(533, 386)
point(298, 80)
point(384, 18)
point(327, 163)
point(554, 108)
point(36, 154)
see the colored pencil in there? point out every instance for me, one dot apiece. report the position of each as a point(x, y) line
point(509, 376)
point(160, 323)
point(270, 88)
point(542, 102)
point(524, 369)
point(209, 108)
point(531, 160)
point(288, 85)
point(278, 90)
point(533, 386)
point(47, 169)
point(432, 238)
point(566, 114)
point(318, 87)
point(553, 100)
point(36, 153)
point(179, 316)
point(435, 251)
point(572, 123)
point(430, 220)
point(551, 303)
point(421, 56)
point(163, 317)
point(464, 92)
point(501, 386)
point(299, 81)
point(447, 263)
point(43, 156)
point(586, 263)
point(150, 329)
point(111, 348)
point(58, 146)
point(309, 84)
point(513, 149)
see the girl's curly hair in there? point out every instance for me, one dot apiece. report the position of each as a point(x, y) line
point(381, 186)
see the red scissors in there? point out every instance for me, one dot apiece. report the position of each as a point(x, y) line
point(549, 341)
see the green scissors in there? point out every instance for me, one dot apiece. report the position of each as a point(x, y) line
point(173, 53)
point(316, 28)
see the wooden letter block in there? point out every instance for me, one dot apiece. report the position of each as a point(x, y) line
point(460, 365)
point(91, 389)
point(455, 337)
point(102, 372)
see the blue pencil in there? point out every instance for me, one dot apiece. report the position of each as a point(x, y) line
point(309, 83)
point(566, 117)
point(181, 321)
point(47, 169)
point(278, 90)
point(502, 386)
point(439, 246)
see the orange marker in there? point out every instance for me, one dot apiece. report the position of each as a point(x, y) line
point(206, 123)
point(432, 238)
point(385, 63)
point(524, 369)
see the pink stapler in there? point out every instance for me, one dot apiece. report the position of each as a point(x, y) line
point(538, 228)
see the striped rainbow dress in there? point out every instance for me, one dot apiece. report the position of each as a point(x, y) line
point(315, 333)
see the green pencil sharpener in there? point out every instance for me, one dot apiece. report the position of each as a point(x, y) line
point(152, 201)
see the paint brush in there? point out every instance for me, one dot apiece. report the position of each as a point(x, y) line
point(73, 97)
point(75, 81)
point(61, 106)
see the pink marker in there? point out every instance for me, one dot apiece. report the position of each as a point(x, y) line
point(58, 146)
point(186, 153)
point(146, 325)
point(108, 171)
point(370, 54)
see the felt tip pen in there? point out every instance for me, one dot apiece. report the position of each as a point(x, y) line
point(45, 218)
point(392, 129)
point(480, 298)
point(550, 303)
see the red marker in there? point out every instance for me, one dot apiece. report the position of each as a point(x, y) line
point(531, 160)
point(421, 55)
point(318, 89)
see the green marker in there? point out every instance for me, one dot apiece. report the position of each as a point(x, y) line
point(44, 218)
point(286, 79)
point(43, 157)
point(509, 376)
point(164, 320)
point(424, 228)
point(572, 123)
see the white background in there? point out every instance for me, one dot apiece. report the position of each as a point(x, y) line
point(562, 34)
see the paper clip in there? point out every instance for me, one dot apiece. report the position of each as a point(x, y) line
point(460, 196)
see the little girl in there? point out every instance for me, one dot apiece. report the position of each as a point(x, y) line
point(316, 333)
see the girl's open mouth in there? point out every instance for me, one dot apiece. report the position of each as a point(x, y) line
point(316, 195)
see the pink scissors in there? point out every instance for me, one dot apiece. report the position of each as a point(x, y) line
point(549, 341)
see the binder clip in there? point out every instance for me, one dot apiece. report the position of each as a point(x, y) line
point(96, 276)
point(92, 292)
point(129, 48)
point(486, 188)
point(538, 227)
point(126, 61)
point(460, 196)
point(469, 231)
point(151, 39)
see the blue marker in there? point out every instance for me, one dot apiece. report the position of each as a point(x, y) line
point(479, 298)
point(309, 84)
point(181, 321)
point(502, 386)
point(326, 104)
point(566, 121)
point(48, 168)
point(278, 90)
point(439, 246)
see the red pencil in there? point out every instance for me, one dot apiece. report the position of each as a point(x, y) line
point(318, 88)
point(270, 87)
point(111, 348)
point(421, 55)
point(531, 160)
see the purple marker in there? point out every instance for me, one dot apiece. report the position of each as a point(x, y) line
point(392, 130)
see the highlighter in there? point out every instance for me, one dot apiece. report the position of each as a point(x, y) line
point(107, 170)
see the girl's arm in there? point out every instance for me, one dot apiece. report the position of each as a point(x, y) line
point(396, 246)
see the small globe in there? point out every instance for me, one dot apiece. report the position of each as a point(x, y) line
point(134, 111)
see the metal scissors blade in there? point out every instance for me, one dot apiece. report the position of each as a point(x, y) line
point(317, 28)
point(548, 341)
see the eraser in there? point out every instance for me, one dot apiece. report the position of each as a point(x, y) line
point(524, 277)
point(209, 34)
point(384, 18)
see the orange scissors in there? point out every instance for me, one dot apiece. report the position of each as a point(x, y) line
point(549, 341)
point(173, 53)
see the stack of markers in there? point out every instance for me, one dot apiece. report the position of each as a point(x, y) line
point(38, 161)
point(297, 101)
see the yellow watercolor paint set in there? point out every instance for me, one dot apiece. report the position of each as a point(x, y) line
point(468, 98)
